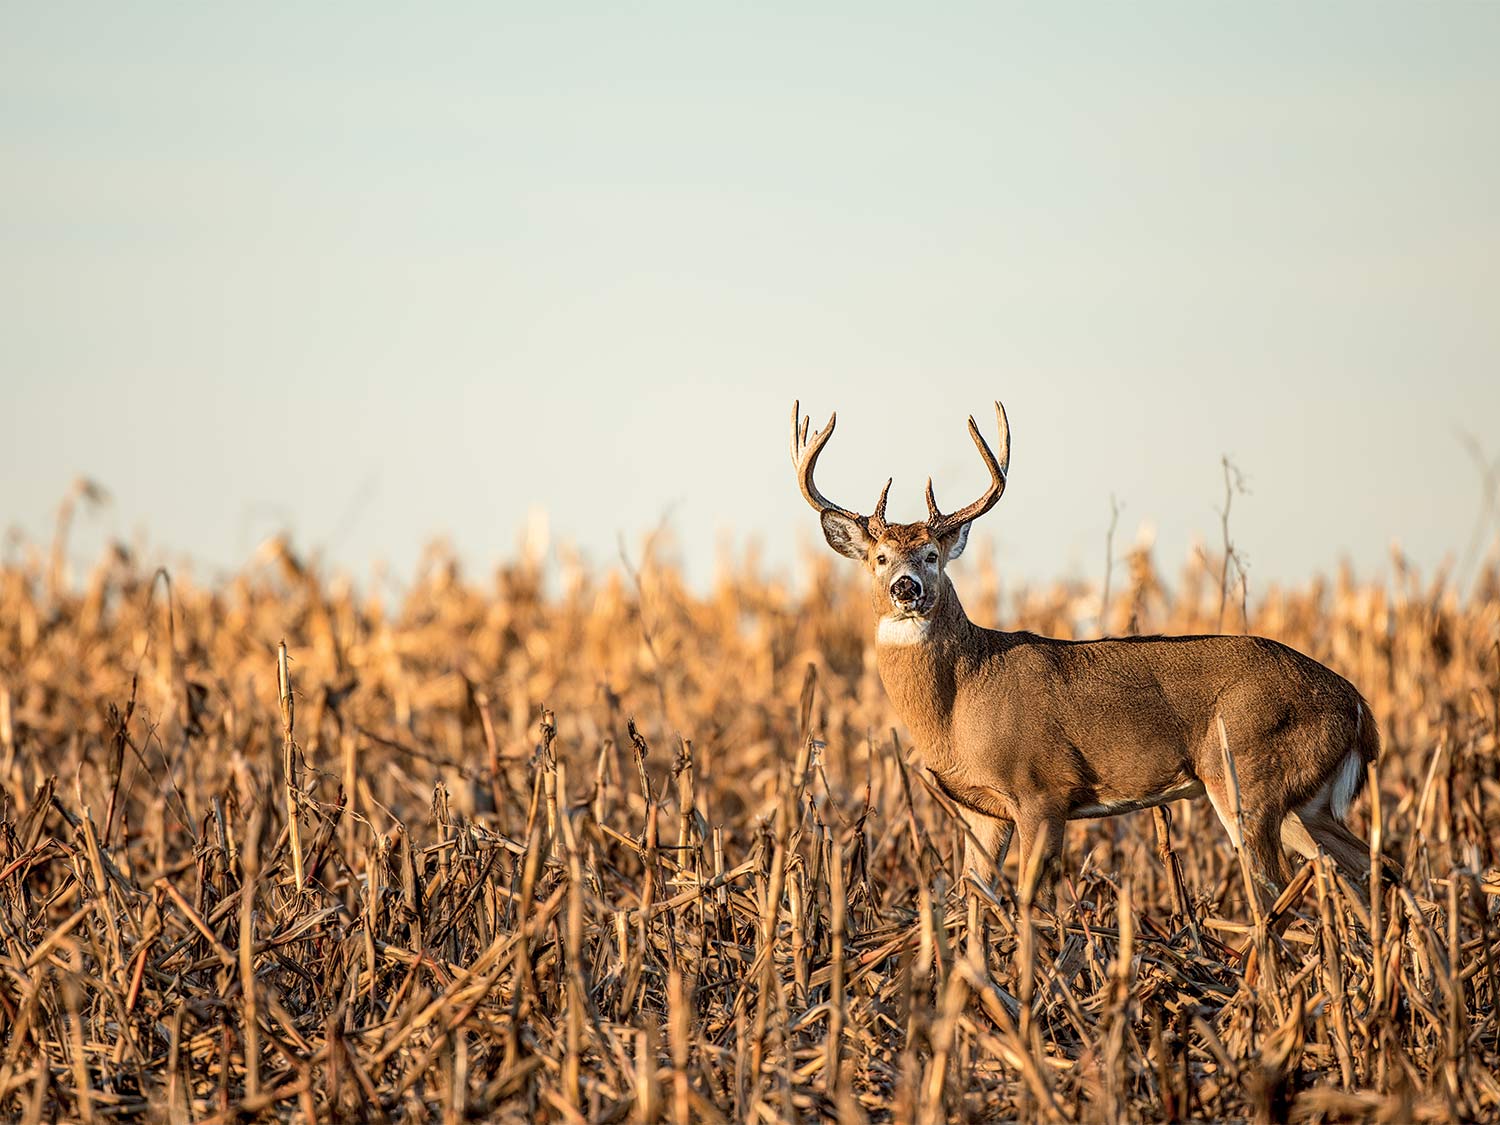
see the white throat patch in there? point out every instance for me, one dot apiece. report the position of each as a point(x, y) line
point(902, 630)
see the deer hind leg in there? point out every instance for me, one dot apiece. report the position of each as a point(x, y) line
point(1315, 824)
point(1262, 832)
point(1296, 837)
point(985, 845)
point(1311, 828)
point(1331, 834)
point(1041, 834)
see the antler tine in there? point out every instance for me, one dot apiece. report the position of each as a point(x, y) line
point(801, 424)
point(805, 451)
point(879, 516)
point(999, 469)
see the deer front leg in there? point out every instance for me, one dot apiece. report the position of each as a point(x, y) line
point(1182, 905)
point(986, 843)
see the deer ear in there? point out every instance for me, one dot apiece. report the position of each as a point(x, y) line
point(955, 541)
point(846, 536)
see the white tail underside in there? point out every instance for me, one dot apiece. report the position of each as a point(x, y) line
point(1351, 769)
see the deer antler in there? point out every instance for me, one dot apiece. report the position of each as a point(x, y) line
point(805, 450)
point(938, 523)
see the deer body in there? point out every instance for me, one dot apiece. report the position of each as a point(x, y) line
point(1025, 732)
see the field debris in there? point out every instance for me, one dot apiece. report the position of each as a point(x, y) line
point(619, 851)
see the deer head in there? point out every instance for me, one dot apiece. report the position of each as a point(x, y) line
point(906, 561)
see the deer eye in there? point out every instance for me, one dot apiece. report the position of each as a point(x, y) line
point(879, 560)
point(932, 556)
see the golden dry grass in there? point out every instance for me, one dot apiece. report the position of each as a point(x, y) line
point(622, 852)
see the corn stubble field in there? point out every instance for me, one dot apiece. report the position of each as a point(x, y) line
point(623, 852)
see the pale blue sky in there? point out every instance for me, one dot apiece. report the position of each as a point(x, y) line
point(375, 273)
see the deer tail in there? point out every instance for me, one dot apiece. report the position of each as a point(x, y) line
point(1351, 773)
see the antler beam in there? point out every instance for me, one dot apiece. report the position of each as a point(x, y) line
point(805, 450)
point(999, 467)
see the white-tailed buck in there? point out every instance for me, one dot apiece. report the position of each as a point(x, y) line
point(1025, 732)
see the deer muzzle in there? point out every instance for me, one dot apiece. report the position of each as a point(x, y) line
point(906, 591)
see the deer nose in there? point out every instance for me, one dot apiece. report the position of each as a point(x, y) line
point(906, 589)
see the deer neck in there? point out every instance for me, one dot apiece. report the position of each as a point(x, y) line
point(920, 663)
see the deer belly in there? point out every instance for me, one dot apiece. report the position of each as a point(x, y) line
point(1116, 806)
